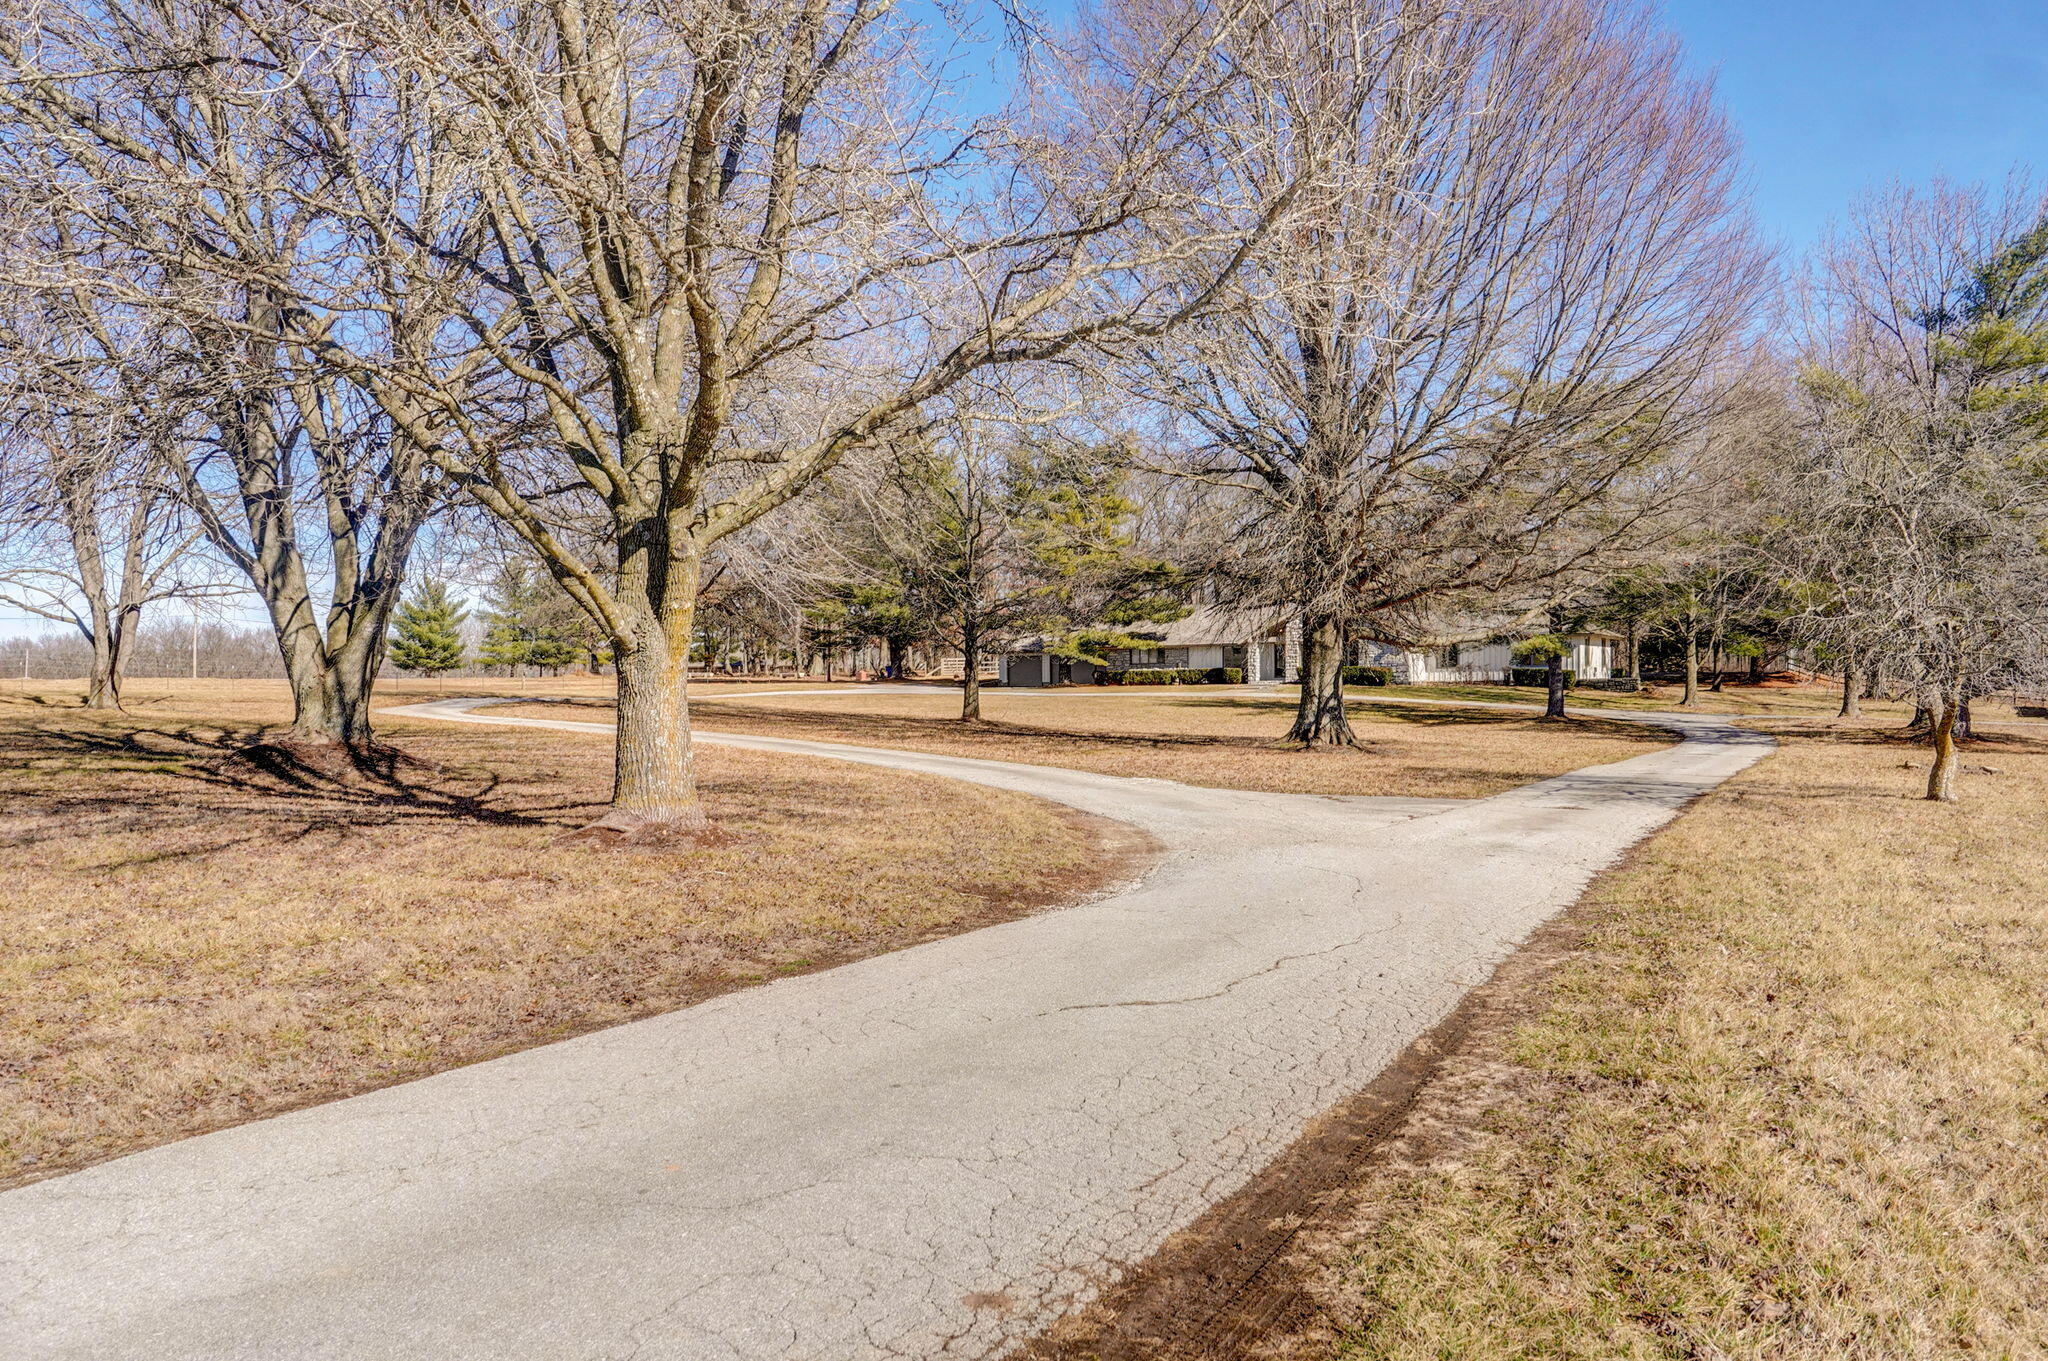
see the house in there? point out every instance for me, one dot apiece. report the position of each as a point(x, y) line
point(1209, 636)
point(1267, 647)
point(1595, 655)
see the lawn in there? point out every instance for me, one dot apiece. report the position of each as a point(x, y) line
point(189, 945)
point(1226, 739)
point(1775, 698)
point(1785, 1097)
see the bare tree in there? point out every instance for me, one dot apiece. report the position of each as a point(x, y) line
point(1917, 502)
point(707, 253)
point(171, 148)
point(90, 529)
point(1507, 290)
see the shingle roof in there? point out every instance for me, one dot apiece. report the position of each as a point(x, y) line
point(1210, 624)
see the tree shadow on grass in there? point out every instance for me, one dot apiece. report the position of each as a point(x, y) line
point(1843, 733)
point(1449, 716)
point(74, 779)
point(888, 729)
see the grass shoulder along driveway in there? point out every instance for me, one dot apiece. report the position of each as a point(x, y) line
point(187, 945)
point(1224, 740)
point(1785, 1099)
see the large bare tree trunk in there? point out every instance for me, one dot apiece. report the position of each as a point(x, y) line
point(1319, 719)
point(970, 674)
point(1852, 700)
point(654, 774)
point(1692, 674)
point(1553, 688)
point(330, 662)
point(103, 684)
point(1941, 776)
point(654, 780)
point(113, 612)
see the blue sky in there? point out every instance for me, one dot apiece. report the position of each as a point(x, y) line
point(1834, 96)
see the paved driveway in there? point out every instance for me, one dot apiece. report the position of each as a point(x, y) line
point(928, 1153)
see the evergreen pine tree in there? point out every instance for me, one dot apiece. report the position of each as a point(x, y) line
point(508, 628)
point(505, 644)
point(426, 632)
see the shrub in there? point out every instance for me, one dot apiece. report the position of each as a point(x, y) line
point(1539, 676)
point(1368, 675)
point(1176, 675)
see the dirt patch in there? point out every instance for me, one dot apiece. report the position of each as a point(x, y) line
point(1238, 1283)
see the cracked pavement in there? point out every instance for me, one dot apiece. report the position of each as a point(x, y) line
point(930, 1153)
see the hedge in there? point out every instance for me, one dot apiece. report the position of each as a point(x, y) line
point(1368, 675)
point(1180, 675)
point(1187, 675)
point(1539, 676)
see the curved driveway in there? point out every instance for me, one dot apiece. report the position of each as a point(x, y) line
point(927, 1153)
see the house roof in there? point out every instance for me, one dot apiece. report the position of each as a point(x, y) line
point(1210, 624)
point(1204, 626)
point(1229, 625)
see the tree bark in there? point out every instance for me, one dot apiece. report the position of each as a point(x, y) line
point(1852, 700)
point(970, 674)
point(1319, 719)
point(654, 776)
point(1941, 776)
point(1553, 685)
point(330, 663)
point(1692, 674)
point(114, 613)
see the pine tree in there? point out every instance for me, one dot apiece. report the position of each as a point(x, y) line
point(505, 644)
point(427, 634)
point(530, 623)
point(509, 634)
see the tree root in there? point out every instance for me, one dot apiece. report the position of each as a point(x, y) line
point(622, 829)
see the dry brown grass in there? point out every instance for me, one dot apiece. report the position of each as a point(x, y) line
point(1776, 697)
point(1788, 1100)
point(187, 947)
point(1219, 740)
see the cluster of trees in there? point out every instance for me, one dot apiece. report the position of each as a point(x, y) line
point(747, 331)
